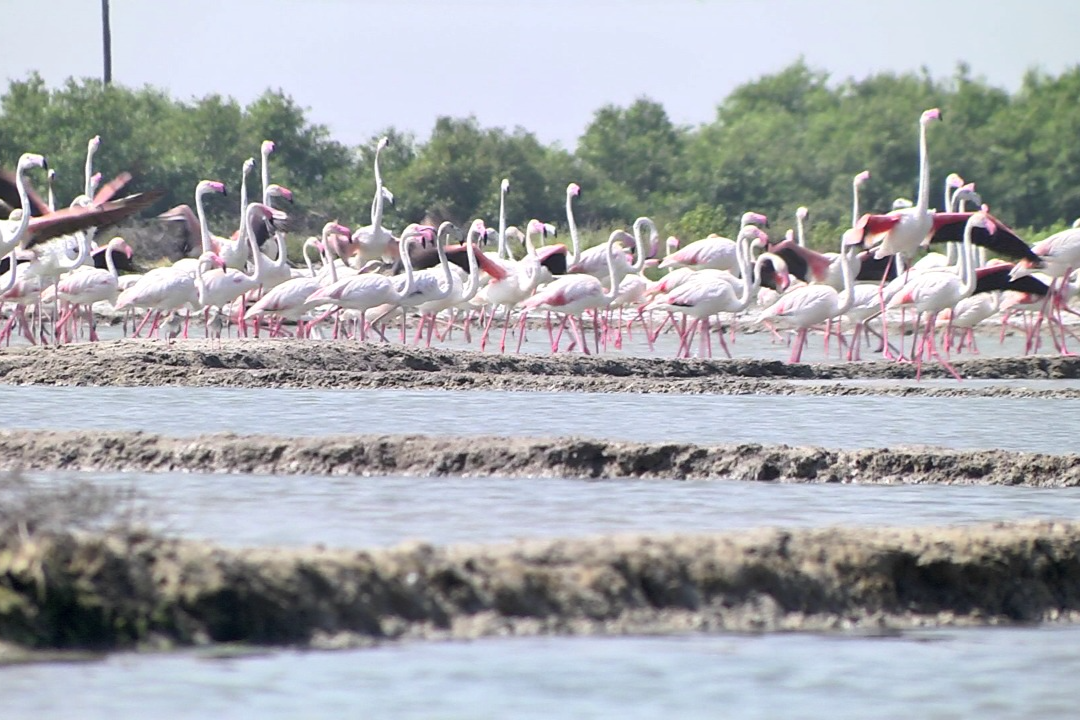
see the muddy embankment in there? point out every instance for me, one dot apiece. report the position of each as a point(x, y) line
point(419, 455)
point(318, 364)
point(110, 592)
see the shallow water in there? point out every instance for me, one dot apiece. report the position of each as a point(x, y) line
point(1009, 423)
point(246, 510)
point(984, 673)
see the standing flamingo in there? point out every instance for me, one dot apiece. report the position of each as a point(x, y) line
point(935, 290)
point(714, 251)
point(572, 295)
point(89, 285)
point(810, 305)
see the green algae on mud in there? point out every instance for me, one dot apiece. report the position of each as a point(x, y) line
point(114, 591)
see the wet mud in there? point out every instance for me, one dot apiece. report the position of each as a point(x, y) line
point(112, 591)
point(344, 365)
point(435, 456)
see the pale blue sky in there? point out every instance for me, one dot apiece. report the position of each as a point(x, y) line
point(546, 65)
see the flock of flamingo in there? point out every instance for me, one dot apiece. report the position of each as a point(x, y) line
point(361, 282)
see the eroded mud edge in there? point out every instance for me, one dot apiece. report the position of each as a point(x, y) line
point(342, 365)
point(422, 455)
point(113, 592)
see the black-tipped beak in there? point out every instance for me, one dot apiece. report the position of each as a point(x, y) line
point(44, 164)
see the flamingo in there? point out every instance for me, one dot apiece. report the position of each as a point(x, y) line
point(292, 298)
point(714, 251)
point(512, 282)
point(166, 291)
point(218, 288)
point(934, 291)
point(809, 305)
point(504, 187)
point(371, 241)
point(460, 292)
point(13, 231)
point(196, 223)
point(709, 293)
point(571, 295)
point(89, 285)
point(370, 290)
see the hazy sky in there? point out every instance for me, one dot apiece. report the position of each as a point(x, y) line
point(546, 65)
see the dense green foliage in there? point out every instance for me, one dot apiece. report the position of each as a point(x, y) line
point(784, 140)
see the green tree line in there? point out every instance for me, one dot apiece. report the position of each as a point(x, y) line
point(783, 140)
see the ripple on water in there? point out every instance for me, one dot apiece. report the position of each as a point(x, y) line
point(1009, 423)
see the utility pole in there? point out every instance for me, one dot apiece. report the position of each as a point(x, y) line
point(106, 37)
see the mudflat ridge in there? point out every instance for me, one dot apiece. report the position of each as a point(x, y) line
point(115, 591)
point(342, 365)
point(424, 455)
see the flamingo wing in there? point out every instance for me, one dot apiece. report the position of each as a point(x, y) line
point(949, 227)
point(73, 219)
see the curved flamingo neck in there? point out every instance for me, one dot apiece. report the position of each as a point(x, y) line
point(440, 247)
point(204, 224)
point(377, 207)
point(575, 243)
point(264, 171)
point(7, 280)
point(923, 203)
point(243, 195)
point(504, 251)
point(639, 241)
point(89, 169)
point(257, 258)
point(615, 278)
point(846, 298)
point(470, 290)
point(407, 238)
point(110, 264)
point(24, 221)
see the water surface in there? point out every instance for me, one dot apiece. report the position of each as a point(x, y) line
point(972, 673)
point(247, 510)
point(1009, 423)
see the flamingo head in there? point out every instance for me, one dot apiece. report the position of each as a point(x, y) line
point(477, 229)
point(95, 181)
point(954, 180)
point(275, 190)
point(789, 235)
point(861, 178)
point(249, 164)
point(29, 160)
point(213, 259)
point(118, 244)
point(383, 142)
point(504, 186)
point(573, 190)
point(335, 228)
point(775, 270)
point(52, 174)
point(802, 212)
point(209, 186)
point(967, 193)
point(982, 219)
point(753, 218)
point(93, 145)
point(929, 115)
point(902, 203)
point(758, 237)
point(267, 147)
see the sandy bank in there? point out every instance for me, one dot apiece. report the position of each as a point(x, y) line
point(111, 592)
point(316, 364)
point(524, 457)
